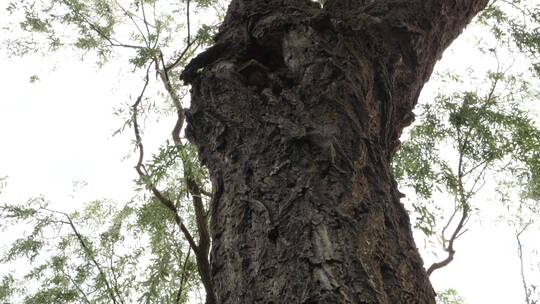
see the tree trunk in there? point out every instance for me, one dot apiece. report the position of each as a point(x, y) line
point(297, 111)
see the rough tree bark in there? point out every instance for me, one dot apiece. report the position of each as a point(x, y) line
point(297, 111)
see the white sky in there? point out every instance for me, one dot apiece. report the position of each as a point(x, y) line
point(59, 130)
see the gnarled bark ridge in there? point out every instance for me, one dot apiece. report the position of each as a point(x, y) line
point(297, 111)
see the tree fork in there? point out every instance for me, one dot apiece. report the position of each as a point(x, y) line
point(297, 111)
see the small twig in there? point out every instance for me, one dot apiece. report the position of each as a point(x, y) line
point(521, 264)
point(77, 286)
point(87, 251)
point(145, 23)
point(450, 248)
point(144, 176)
point(115, 277)
point(464, 231)
point(130, 16)
point(164, 75)
point(92, 258)
point(112, 42)
point(478, 178)
point(463, 204)
point(184, 277)
point(450, 220)
point(188, 23)
point(181, 56)
point(476, 166)
point(138, 139)
point(496, 81)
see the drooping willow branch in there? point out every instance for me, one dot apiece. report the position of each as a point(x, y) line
point(201, 249)
point(116, 299)
point(184, 278)
point(139, 167)
point(163, 70)
point(463, 196)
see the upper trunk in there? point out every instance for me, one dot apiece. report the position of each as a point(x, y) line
point(297, 111)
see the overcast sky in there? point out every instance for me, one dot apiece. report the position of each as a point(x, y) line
point(59, 129)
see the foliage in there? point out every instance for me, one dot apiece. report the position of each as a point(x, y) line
point(514, 23)
point(98, 255)
point(449, 296)
point(477, 136)
point(462, 137)
point(167, 225)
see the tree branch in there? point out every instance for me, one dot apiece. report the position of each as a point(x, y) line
point(182, 54)
point(92, 258)
point(188, 22)
point(462, 198)
point(201, 250)
point(521, 263)
point(79, 289)
point(184, 278)
point(130, 16)
point(112, 42)
point(450, 248)
point(86, 250)
point(204, 239)
point(114, 276)
point(145, 23)
point(139, 167)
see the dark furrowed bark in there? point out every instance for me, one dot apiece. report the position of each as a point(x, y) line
point(410, 36)
point(295, 112)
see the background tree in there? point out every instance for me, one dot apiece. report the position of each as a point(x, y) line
point(147, 32)
point(99, 255)
point(484, 133)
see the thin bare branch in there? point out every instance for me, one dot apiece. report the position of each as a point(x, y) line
point(450, 248)
point(139, 167)
point(91, 256)
point(462, 198)
point(184, 278)
point(182, 54)
point(130, 16)
point(448, 223)
point(476, 166)
point(188, 22)
point(522, 264)
point(114, 275)
point(146, 23)
point(77, 286)
point(478, 178)
point(112, 41)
